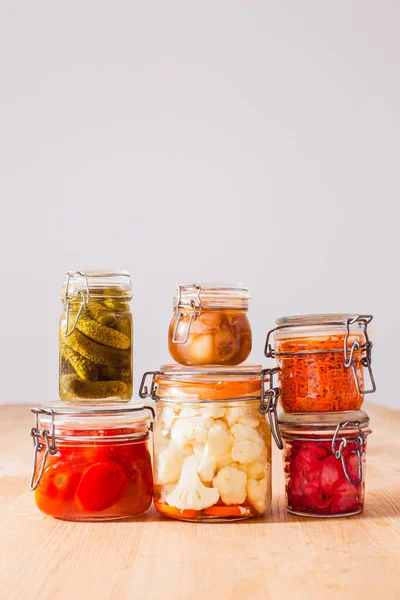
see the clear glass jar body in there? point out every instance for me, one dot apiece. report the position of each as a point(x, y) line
point(212, 458)
point(96, 339)
point(316, 484)
point(211, 328)
point(96, 474)
point(313, 375)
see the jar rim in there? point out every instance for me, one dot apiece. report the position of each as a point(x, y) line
point(181, 372)
point(298, 424)
point(212, 295)
point(96, 281)
point(92, 416)
point(338, 319)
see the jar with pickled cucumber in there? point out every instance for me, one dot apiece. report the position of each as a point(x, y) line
point(96, 337)
point(209, 325)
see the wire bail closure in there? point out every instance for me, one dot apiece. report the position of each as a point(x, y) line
point(197, 309)
point(268, 403)
point(360, 441)
point(50, 447)
point(144, 391)
point(85, 296)
point(348, 353)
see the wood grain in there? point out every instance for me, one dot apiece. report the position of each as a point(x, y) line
point(275, 557)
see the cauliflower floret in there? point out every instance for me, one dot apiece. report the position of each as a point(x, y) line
point(257, 494)
point(167, 416)
point(189, 492)
point(231, 484)
point(207, 468)
point(219, 440)
point(169, 463)
point(257, 469)
point(188, 412)
point(244, 432)
point(224, 460)
point(232, 415)
point(213, 412)
point(250, 421)
point(245, 451)
point(194, 429)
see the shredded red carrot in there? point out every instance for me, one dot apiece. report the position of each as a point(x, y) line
point(318, 382)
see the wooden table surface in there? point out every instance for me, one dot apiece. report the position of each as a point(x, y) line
point(274, 557)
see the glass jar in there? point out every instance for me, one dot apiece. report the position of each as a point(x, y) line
point(92, 464)
point(96, 337)
point(210, 325)
point(212, 443)
point(322, 361)
point(324, 462)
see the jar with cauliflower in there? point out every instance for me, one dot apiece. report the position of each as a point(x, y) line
point(209, 325)
point(212, 446)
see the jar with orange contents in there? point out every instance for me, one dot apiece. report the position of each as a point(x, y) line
point(92, 463)
point(323, 360)
point(210, 325)
point(212, 442)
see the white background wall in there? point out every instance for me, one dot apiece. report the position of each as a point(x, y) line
point(252, 141)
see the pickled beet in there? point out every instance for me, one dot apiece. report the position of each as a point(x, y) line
point(316, 482)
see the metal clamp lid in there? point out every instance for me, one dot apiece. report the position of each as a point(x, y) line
point(359, 440)
point(348, 353)
point(84, 294)
point(268, 403)
point(49, 436)
point(196, 306)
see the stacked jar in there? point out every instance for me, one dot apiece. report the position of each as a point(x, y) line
point(91, 456)
point(324, 362)
point(212, 447)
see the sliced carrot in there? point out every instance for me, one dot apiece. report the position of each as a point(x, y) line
point(226, 511)
point(318, 382)
point(176, 513)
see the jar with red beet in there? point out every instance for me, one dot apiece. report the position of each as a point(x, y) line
point(324, 360)
point(92, 463)
point(324, 457)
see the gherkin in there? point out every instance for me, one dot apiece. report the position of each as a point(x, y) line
point(96, 389)
point(84, 367)
point(101, 314)
point(99, 333)
point(124, 325)
point(109, 373)
point(97, 353)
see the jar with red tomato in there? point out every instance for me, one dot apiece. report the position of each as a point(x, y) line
point(92, 463)
point(209, 324)
point(324, 360)
point(324, 457)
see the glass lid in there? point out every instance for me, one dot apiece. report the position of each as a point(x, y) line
point(206, 383)
point(216, 295)
point(82, 417)
point(97, 283)
point(349, 421)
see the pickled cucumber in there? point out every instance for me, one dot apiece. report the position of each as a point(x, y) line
point(99, 333)
point(95, 389)
point(123, 325)
point(85, 368)
point(101, 314)
point(97, 353)
point(110, 373)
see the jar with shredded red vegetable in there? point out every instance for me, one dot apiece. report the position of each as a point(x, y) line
point(324, 462)
point(91, 464)
point(324, 360)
